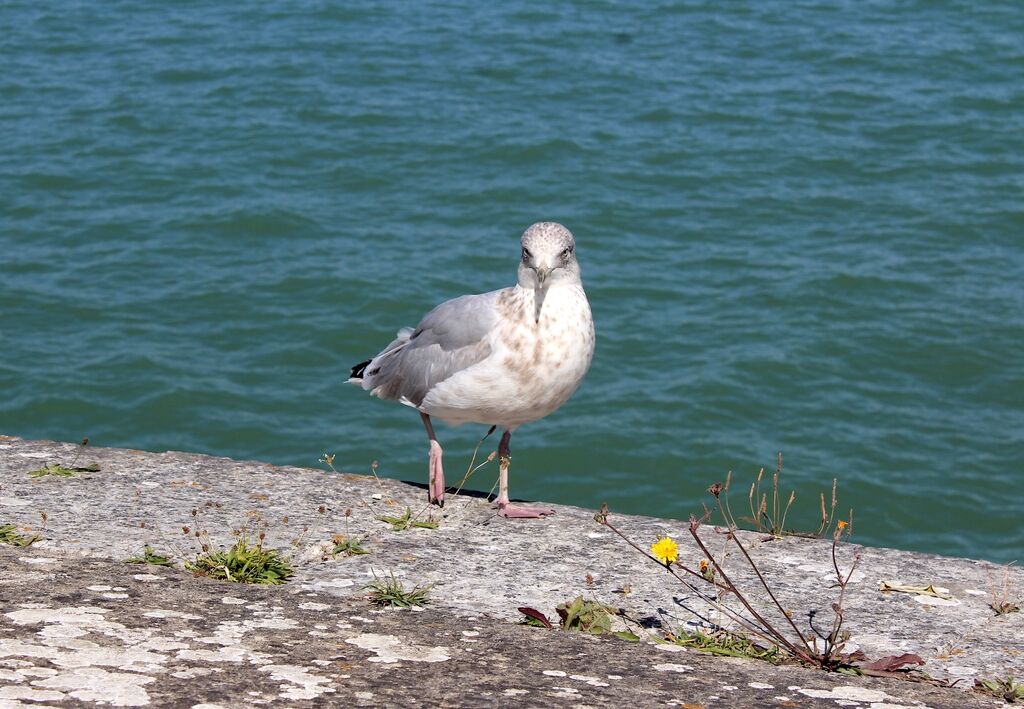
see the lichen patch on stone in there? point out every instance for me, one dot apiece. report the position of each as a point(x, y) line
point(94, 684)
point(848, 693)
point(300, 682)
point(390, 648)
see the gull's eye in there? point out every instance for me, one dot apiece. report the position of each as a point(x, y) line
point(526, 254)
point(566, 252)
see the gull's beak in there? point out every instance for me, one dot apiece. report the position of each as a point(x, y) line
point(542, 281)
point(542, 277)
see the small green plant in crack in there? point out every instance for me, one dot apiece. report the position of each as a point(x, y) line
point(581, 616)
point(391, 593)
point(349, 546)
point(55, 469)
point(67, 471)
point(149, 556)
point(242, 563)
point(407, 521)
point(721, 642)
point(1002, 603)
point(345, 543)
point(585, 616)
point(1008, 689)
point(9, 535)
point(1004, 607)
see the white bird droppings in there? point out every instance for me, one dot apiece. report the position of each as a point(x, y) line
point(672, 667)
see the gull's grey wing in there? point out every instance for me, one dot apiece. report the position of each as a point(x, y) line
point(450, 338)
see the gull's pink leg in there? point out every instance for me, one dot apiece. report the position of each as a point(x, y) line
point(435, 490)
point(504, 506)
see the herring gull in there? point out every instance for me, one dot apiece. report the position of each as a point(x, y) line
point(503, 358)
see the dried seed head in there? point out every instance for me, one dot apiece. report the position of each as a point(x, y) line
point(321, 509)
point(348, 512)
point(185, 530)
point(285, 519)
point(716, 489)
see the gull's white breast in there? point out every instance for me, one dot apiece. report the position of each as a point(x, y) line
point(534, 364)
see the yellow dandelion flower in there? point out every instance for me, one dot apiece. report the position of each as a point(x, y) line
point(842, 524)
point(665, 550)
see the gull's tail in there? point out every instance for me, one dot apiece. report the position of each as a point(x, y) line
point(365, 373)
point(356, 377)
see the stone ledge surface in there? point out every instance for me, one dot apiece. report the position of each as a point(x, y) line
point(482, 568)
point(87, 631)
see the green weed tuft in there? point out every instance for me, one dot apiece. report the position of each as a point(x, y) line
point(9, 535)
point(149, 556)
point(52, 469)
point(407, 521)
point(1008, 689)
point(243, 563)
point(392, 594)
point(349, 546)
point(585, 616)
point(724, 643)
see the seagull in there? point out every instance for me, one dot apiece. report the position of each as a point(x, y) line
point(503, 358)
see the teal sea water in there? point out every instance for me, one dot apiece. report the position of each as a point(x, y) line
point(801, 226)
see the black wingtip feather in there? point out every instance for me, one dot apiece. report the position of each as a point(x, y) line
point(357, 371)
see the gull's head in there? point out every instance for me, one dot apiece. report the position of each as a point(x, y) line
point(548, 256)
